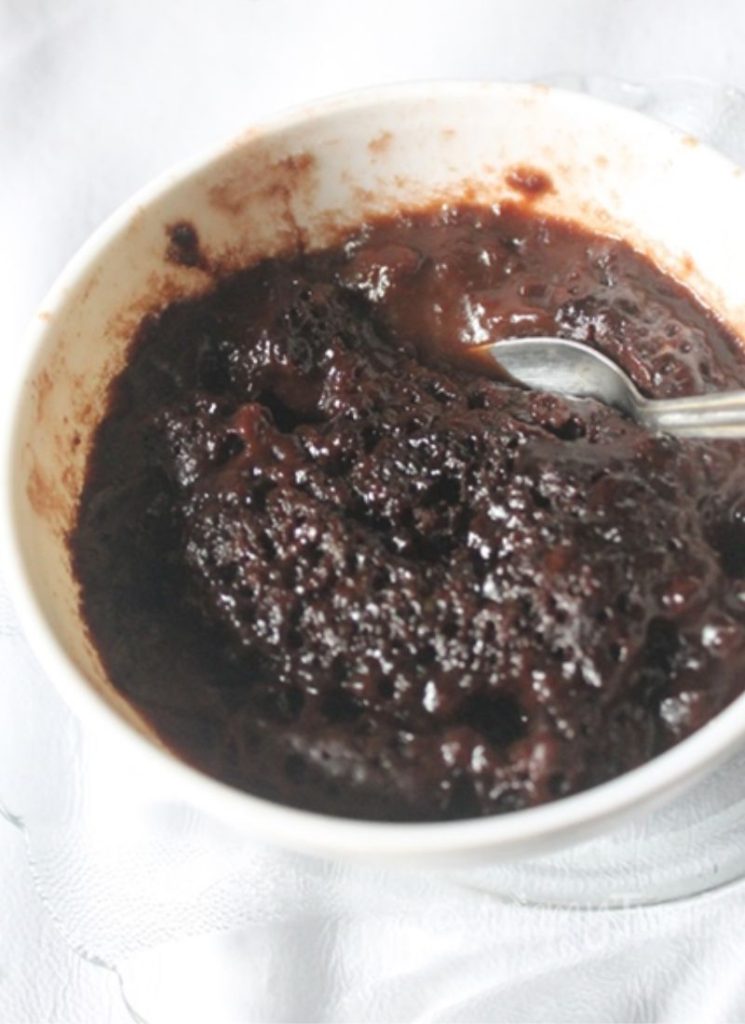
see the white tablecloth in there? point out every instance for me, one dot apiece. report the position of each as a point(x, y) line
point(96, 98)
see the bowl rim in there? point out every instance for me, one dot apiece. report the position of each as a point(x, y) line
point(547, 825)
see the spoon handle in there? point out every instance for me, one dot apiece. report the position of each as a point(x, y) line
point(707, 416)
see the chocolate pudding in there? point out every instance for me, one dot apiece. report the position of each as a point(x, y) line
point(336, 564)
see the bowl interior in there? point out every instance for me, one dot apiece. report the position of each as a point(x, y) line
point(304, 180)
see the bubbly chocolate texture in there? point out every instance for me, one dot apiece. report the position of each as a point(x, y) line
point(335, 564)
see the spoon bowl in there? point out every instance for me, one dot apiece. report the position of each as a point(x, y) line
point(572, 368)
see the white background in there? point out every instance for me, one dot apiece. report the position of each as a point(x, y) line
point(95, 99)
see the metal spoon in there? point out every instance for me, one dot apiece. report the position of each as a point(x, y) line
point(570, 368)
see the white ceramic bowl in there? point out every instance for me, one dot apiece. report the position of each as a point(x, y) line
point(306, 175)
